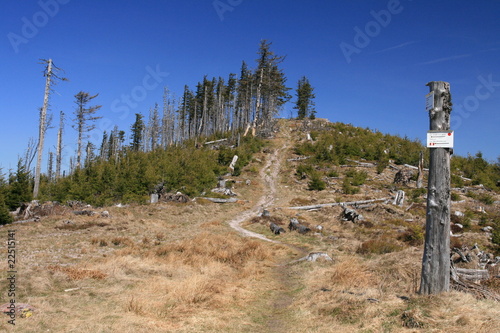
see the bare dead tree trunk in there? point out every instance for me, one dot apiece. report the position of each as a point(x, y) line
point(42, 127)
point(436, 259)
point(258, 101)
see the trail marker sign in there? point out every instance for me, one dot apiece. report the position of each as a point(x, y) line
point(429, 101)
point(440, 139)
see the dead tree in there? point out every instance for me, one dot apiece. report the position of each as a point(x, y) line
point(436, 259)
point(84, 120)
point(50, 73)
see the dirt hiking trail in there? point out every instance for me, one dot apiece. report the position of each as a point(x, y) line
point(269, 173)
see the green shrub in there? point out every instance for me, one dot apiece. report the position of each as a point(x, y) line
point(381, 165)
point(347, 188)
point(357, 177)
point(471, 195)
point(5, 216)
point(316, 183)
point(486, 198)
point(305, 148)
point(457, 181)
point(332, 173)
point(495, 237)
point(415, 194)
point(455, 196)
point(414, 235)
point(303, 171)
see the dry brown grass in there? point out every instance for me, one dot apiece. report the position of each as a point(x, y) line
point(74, 273)
point(180, 268)
point(205, 247)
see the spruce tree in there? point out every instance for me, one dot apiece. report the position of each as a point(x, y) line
point(137, 132)
point(271, 91)
point(5, 217)
point(19, 189)
point(305, 104)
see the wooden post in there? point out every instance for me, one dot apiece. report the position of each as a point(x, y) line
point(436, 259)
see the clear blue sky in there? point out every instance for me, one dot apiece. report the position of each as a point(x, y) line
point(369, 61)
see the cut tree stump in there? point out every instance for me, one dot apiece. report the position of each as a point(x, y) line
point(399, 200)
point(312, 257)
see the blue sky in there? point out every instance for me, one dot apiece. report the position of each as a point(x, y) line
point(369, 61)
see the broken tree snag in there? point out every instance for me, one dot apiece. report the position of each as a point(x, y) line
point(420, 177)
point(399, 200)
point(436, 258)
point(247, 129)
point(233, 163)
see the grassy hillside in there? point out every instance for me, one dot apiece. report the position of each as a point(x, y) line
point(172, 267)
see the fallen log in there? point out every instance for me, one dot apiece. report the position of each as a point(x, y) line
point(298, 158)
point(355, 166)
point(414, 167)
point(333, 204)
point(35, 219)
point(84, 212)
point(480, 292)
point(473, 274)
point(219, 200)
point(362, 164)
point(215, 141)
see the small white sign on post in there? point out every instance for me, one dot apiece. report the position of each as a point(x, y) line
point(440, 139)
point(429, 101)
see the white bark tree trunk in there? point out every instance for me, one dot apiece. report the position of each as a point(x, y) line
point(41, 129)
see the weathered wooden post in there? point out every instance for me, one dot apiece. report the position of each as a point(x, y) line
point(436, 259)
